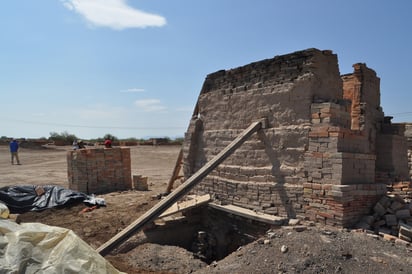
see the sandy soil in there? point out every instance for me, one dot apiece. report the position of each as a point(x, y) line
point(309, 249)
point(48, 165)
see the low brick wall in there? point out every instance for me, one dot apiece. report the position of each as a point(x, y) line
point(340, 205)
point(270, 198)
point(99, 170)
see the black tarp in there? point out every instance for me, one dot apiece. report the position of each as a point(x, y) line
point(20, 199)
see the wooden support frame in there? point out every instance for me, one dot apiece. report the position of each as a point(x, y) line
point(184, 188)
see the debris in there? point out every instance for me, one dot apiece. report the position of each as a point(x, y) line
point(391, 218)
point(20, 199)
point(294, 221)
point(88, 209)
point(93, 200)
point(140, 183)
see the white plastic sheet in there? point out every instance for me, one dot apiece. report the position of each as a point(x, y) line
point(38, 248)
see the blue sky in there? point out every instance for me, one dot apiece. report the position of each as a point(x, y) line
point(135, 68)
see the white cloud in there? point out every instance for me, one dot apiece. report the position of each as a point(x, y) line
point(115, 14)
point(149, 105)
point(133, 90)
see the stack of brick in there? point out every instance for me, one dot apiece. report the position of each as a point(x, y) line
point(408, 135)
point(340, 205)
point(392, 153)
point(99, 170)
point(391, 215)
point(340, 168)
point(401, 189)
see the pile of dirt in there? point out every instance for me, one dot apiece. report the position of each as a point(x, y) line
point(316, 250)
point(291, 249)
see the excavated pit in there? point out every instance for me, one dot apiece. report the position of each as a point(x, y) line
point(208, 233)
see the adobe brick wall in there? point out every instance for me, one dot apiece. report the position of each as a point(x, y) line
point(322, 155)
point(408, 135)
point(99, 170)
point(266, 172)
point(340, 205)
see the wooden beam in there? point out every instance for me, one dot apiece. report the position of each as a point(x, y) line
point(184, 188)
point(185, 205)
point(250, 214)
point(176, 171)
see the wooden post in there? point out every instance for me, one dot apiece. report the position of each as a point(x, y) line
point(176, 171)
point(184, 188)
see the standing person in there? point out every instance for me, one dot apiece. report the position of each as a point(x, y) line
point(14, 148)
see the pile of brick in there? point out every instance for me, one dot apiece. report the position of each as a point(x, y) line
point(99, 170)
point(403, 189)
point(391, 216)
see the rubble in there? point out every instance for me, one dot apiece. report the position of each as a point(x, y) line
point(391, 218)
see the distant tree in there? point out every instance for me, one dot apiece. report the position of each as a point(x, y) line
point(64, 136)
point(109, 136)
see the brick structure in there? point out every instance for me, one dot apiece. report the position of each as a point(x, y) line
point(99, 170)
point(324, 155)
point(408, 135)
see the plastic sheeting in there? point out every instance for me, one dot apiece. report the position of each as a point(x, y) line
point(38, 248)
point(20, 199)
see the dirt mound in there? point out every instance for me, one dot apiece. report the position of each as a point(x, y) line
point(282, 250)
point(154, 258)
point(316, 250)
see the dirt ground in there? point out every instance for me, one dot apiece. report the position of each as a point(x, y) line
point(306, 248)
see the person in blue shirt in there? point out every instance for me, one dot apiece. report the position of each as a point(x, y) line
point(14, 150)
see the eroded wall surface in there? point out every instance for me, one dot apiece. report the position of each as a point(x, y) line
point(267, 170)
point(318, 156)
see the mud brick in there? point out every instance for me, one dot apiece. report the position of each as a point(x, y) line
point(384, 202)
point(390, 219)
point(379, 209)
point(405, 230)
point(403, 213)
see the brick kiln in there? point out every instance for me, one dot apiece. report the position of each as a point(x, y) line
point(326, 154)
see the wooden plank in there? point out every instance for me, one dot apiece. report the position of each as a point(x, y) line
point(179, 192)
point(176, 171)
point(250, 214)
point(185, 205)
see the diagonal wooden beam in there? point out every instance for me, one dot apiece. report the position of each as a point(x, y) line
point(184, 188)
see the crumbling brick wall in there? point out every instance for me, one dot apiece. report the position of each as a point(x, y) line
point(317, 157)
point(408, 135)
point(266, 172)
point(99, 170)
